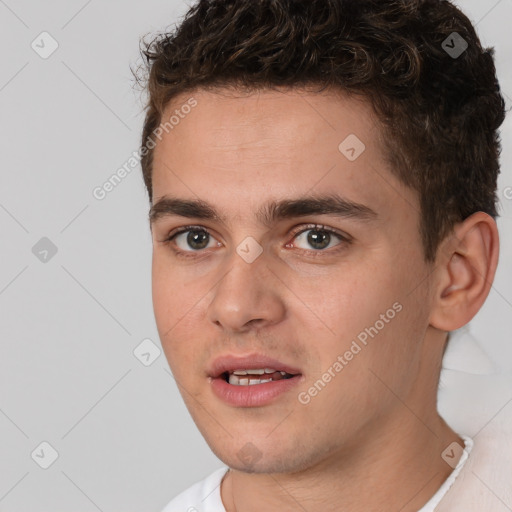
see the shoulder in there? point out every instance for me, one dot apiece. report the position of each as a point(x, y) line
point(484, 482)
point(203, 496)
point(480, 406)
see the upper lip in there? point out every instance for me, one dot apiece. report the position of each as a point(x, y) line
point(232, 362)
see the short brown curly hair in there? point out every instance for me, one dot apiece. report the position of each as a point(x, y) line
point(440, 112)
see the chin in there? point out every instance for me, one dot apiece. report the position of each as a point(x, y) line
point(248, 457)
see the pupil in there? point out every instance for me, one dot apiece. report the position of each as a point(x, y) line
point(316, 240)
point(197, 236)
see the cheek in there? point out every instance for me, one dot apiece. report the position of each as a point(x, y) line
point(348, 299)
point(168, 302)
point(177, 308)
point(387, 328)
point(163, 296)
point(372, 316)
point(174, 291)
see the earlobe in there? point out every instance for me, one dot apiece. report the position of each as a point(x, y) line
point(465, 275)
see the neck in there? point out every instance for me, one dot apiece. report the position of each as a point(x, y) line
point(395, 466)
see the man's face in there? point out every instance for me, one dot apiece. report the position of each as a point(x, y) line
point(297, 294)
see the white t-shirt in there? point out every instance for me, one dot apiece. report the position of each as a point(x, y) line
point(204, 496)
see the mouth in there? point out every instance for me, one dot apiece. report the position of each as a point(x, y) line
point(252, 381)
point(251, 377)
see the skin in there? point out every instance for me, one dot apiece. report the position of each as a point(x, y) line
point(372, 438)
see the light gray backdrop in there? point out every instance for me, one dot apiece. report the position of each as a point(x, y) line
point(75, 296)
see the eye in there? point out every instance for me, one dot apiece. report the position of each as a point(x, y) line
point(196, 238)
point(319, 237)
point(190, 241)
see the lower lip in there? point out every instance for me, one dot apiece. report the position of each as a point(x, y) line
point(255, 395)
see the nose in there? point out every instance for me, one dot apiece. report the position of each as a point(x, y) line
point(247, 296)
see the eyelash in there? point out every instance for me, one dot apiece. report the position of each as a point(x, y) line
point(296, 232)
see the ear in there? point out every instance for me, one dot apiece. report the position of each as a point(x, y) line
point(465, 267)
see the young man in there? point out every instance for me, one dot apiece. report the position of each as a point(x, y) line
point(322, 179)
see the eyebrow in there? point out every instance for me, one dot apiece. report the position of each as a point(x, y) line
point(269, 213)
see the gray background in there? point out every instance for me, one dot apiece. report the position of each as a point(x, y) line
point(69, 326)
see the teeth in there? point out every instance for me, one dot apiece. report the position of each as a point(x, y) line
point(258, 381)
point(254, 372)
point(235, 380)
point(247, 377)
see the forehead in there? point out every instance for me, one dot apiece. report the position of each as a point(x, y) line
point(270, 119)
point(246, 147)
